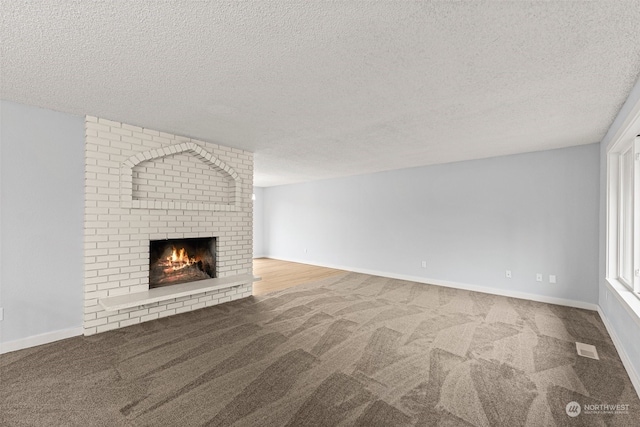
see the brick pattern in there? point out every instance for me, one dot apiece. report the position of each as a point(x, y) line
point(165, 178)
point(178, 177)
point(189, 188)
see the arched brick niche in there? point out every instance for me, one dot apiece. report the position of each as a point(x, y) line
point(180, 176)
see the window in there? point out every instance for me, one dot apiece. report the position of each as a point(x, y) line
point(623, 250)
point(625, 271)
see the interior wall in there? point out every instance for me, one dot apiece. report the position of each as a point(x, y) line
point(470, 221)
point(258, 222)
point(42, 168)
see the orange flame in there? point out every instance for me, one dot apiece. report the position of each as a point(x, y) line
point(179, 259)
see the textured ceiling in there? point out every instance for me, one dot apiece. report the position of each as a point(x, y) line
point(325, 89)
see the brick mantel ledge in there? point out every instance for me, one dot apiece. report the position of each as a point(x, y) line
point(138, 299)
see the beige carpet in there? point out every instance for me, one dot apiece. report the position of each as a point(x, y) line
point(348, 350)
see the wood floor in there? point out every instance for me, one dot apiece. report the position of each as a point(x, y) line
point(277, 275)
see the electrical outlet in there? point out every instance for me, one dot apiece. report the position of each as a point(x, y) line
point(508, 274)
point(539, 277)
point(1, 314)
point(424, 264)
point(552, 278)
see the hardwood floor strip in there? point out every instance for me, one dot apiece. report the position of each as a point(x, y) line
point(277, 275)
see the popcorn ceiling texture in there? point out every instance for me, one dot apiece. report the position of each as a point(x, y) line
point(326, 89)
point(214, 187)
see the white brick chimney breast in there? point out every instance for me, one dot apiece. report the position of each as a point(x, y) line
point(143, 185)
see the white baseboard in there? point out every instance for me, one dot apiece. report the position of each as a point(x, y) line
point(457, 285)
point(633, 374)
point(36, 340)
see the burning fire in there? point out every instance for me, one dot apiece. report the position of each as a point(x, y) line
point(178, 260)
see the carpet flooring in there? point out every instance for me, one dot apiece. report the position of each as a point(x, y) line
point(351, 350)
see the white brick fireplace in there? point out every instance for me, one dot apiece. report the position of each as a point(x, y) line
point(143, 185)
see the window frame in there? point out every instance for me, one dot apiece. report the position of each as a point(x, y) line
point(616, 199)
point(626, 226)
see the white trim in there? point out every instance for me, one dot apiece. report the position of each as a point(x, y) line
point(635, 222)
point(632, 118)
point(41, 339)
point(626, 361)
point(457, 285)
point(622, 132)
point(625, 297)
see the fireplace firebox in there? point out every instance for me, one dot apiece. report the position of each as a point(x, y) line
point(174, 261)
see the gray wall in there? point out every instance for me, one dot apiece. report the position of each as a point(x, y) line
point(626, 326)
point(258, 222)
point(530, 213)
point(41, 222)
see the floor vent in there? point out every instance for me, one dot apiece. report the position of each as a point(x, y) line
point(587, 350)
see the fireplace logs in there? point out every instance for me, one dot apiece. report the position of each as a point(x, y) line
point(178, 261)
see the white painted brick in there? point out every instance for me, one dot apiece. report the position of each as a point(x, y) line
point(131, 269)
point(118, 317)
point(139, 288)
point(95, 322)
point(132, 222)
point(103, 314)
point(149, 317)
point(92, 281)
point(162, 140)
point(174, 305)
point(198, 305)
point(121, 290)
point(166, 313)
point(109, 123)
point(157, 309)
point(129, 322)
point(131, 127)
point(183, 309)
point(121, 131)
point(110, 284)
point(99, 127)
point(119, 264)
point(118, 277)
point(139, 313)
point(108, 327)
point(110, 149)
point(118, 251)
